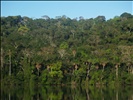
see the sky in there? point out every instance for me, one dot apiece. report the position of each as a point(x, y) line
point(72, 9)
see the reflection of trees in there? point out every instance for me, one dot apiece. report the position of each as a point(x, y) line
point(66, 93)
point(52, 93)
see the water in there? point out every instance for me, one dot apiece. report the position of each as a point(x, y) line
point(66, 93)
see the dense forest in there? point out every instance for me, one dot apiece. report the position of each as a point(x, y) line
point(62, 50)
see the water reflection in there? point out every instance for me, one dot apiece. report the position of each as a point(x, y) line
point(66, 93)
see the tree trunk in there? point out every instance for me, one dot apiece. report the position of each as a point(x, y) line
point(9, 96)
point(38, 72)
point(88, 71)
point(73, 35)
point(38, 98)
point(87, 94)
point(102, 93)
point(117, 96)
point(87, 76)
point(10, 63)
point(131, 69)
point(1, 58)
point(38, 66)
point(128, 69)
point(2, 61)
point(103, 65)
point(116, 66)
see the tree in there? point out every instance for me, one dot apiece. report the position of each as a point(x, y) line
point(126, 15)
point(63, 50)
point(127, 56)
point(10, 63)
point(23, 29)
point(55, 72)
point(46, 17)
point(2, 59)
point(64, 45)
point(100, 19)
point(116, 59)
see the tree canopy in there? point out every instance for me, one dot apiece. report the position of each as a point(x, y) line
point(67, 50)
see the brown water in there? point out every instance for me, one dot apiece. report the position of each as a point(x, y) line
point(66, 93)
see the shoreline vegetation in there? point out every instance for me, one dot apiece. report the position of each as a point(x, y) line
point(63, 51)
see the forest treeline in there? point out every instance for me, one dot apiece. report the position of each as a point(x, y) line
point(62, 50)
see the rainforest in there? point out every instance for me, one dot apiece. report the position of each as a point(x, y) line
point(63, 51)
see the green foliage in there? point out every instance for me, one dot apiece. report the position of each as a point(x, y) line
point(44, 77)
point(126, 15)
point(56, 72)
point(73, 49)
point(23, 29)
point(64, 45)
